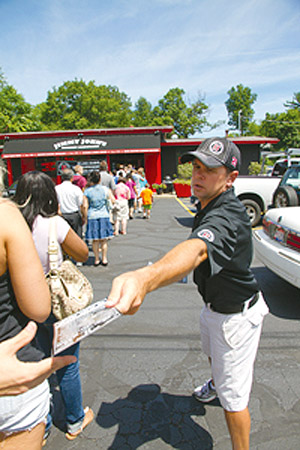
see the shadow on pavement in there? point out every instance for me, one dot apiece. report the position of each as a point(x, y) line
point(185, 221)
point(282, 298)
point(147, 414)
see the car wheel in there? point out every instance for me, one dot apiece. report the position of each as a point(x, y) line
point(285, 196)
point(253, 210)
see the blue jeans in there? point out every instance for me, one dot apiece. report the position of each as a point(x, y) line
point(68, 378)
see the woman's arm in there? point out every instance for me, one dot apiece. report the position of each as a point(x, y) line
point(19, 255)
point(75, 247)
point(111, 197)
point(84, 209)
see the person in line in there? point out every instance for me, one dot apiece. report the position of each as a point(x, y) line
point(133, 193)
point(121, 209)
point(70, 199)
point(22, 417)
point(114, 175)
point(147, 198)
point(219, 250)
point(17, 377)
point(136, 178)
point(37, 199)
point(106, 179)
point(121, 171)
point(141, 184)
point(78, 179)
point(96, 202)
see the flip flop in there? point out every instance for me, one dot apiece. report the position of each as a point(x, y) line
point(88, 418)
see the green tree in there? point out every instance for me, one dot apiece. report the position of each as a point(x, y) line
point(142, 114)
point(284, 126)
point(295, 103)
point(77, 105)
point(16, 115)
point(187, 119)
point(239, 107)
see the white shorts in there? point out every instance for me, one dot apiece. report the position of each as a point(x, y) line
point(231, 341)
point(25, 411)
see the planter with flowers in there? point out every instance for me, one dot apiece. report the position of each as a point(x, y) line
point(182, 184)
point(159, 188)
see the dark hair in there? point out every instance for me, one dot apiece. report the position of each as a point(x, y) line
point(121, 180)
point(94, 177)
point(35, 194)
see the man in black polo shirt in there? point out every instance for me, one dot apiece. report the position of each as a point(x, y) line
point(219, 250)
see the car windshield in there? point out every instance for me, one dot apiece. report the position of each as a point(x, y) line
point(292, 177)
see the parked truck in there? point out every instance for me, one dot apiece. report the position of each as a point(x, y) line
point(260, 192)
point(256, 193)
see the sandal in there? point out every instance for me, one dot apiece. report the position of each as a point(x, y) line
point(88, 417)
point(46, 435)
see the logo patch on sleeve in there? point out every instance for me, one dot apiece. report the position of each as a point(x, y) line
point(207, 234)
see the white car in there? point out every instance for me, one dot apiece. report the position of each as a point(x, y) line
point(277, 244)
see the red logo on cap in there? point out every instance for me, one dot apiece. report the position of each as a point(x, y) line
point(216, 147)
point(234, 161)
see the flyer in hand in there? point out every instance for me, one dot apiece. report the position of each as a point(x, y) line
point(74, 328)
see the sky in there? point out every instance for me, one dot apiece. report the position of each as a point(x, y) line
point(146, 47)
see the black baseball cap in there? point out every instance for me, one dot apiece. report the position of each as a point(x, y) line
point(216, 152)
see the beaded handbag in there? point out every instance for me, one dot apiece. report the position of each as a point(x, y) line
point(70, 290)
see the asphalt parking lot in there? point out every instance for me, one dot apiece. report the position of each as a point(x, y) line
point(138, 372)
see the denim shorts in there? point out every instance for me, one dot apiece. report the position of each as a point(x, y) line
point(25, 411)
point(231, 341)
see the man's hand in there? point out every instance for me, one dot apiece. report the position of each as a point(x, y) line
point(128, 292)
point(17, 377)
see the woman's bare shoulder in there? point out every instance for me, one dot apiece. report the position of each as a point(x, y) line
point(8, 206)
point(9, 213)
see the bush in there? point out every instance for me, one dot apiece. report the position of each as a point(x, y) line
point(185, 170)
point(254, 168)
point(182, 181)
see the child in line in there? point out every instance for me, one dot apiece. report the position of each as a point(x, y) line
point(147, 197)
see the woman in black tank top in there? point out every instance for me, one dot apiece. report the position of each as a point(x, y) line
point(24, 295)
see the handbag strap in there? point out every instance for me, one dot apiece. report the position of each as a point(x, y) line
point(52, 245)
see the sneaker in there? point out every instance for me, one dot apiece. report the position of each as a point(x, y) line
point(205, 393)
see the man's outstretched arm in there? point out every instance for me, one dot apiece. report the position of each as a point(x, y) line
point(129, 289)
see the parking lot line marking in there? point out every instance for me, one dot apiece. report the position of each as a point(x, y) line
point(185, 207)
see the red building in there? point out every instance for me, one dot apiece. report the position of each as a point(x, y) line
point(51, 151)
point(147, 147)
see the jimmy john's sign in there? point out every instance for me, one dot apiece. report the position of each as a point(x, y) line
point(79, 144)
